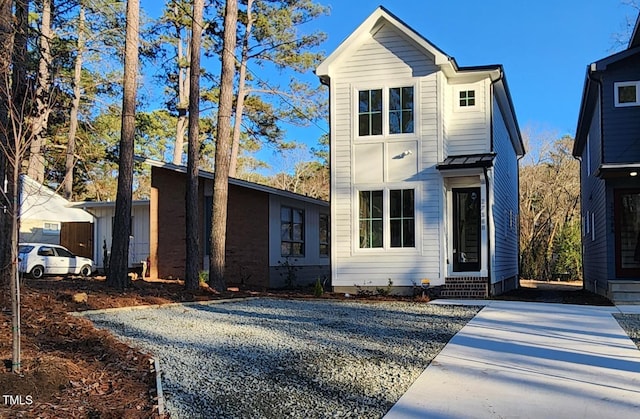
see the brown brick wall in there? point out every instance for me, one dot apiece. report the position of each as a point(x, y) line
point(247, 230)
point(248, 237)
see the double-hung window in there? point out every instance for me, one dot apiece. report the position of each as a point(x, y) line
point(370, 112)
point(402, 218)
point(396, 117)
point(391, 211)
point(371, 228)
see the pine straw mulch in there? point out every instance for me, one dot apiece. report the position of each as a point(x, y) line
point(70, 369)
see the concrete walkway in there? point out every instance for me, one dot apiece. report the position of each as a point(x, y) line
point(531, 360)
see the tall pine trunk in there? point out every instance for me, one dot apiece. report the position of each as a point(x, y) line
point(223, 150)
point(242, 92)
point(40, 121)
point(75, 106)
point(193, 156)
point(118, 263)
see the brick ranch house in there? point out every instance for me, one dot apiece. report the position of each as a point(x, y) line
point(270, 232)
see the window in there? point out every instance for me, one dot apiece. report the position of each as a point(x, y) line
point(401, 218)
point(46, 251)
point(50, 228)
point(467, 98)
point(63, 252)
point(399, 118)
point(370, 112)
point(324, 235)
point(401, 110)
point(370, 219)
point(291, 231)
point(626, 93)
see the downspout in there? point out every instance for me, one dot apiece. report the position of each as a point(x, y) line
point(598, 82)
point(489, 214)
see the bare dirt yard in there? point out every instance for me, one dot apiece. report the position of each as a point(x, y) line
point(70, 369)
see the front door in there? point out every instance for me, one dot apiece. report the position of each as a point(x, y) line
point(466, 229)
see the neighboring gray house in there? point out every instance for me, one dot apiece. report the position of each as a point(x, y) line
point(424, 166)
point(607, 142)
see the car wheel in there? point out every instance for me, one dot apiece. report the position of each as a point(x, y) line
point(37, 272)
point(85, 271)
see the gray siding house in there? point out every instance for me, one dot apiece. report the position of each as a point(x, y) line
point(424, 166)
point(607, 143)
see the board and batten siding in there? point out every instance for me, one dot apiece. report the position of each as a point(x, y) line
point(103, 230)
point(621, 125)
point(505, 202)
point(593, 200)
point(384, 60)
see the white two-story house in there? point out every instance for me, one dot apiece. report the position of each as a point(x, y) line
point(424, 166)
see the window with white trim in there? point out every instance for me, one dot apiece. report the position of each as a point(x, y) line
point(370, 112)
point(467, 98)
point(396, 117)
point(399, 222)
point(50, 228)
point(370, 219)
point(402, 218)
point(626, 93)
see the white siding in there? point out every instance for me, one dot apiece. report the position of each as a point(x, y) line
point(505, 202)
point(385, 60)
point(467, 128)
point(103, 231)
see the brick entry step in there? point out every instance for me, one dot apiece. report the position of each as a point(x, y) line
point(465, 287)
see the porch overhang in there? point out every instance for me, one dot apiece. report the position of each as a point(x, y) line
point(468, 161)
point(618, 170)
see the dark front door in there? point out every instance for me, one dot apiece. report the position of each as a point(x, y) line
point(627, 232)
point(466, 229)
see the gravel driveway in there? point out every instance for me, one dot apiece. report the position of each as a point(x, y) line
point(268, 358)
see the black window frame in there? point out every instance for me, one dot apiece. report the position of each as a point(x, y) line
point(288, 232)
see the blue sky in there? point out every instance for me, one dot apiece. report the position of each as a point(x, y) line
point(544, 46)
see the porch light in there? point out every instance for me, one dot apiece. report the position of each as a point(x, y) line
point(633, 174)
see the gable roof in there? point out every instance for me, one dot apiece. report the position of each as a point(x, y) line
point(634, 41)
point(237, 182)
point(590, 90)
point(38, 202)
point(446, 63)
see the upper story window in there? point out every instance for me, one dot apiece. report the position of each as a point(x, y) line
point(467, 98)
point(370, 112)
point(626, 93)
point(401, 110)
point(398, 116)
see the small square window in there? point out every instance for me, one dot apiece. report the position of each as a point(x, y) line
point(626, 93)
point(467, 98)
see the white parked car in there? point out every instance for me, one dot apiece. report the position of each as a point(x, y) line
point(40, 259)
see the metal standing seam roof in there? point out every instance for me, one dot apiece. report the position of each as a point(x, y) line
point(467, 161)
